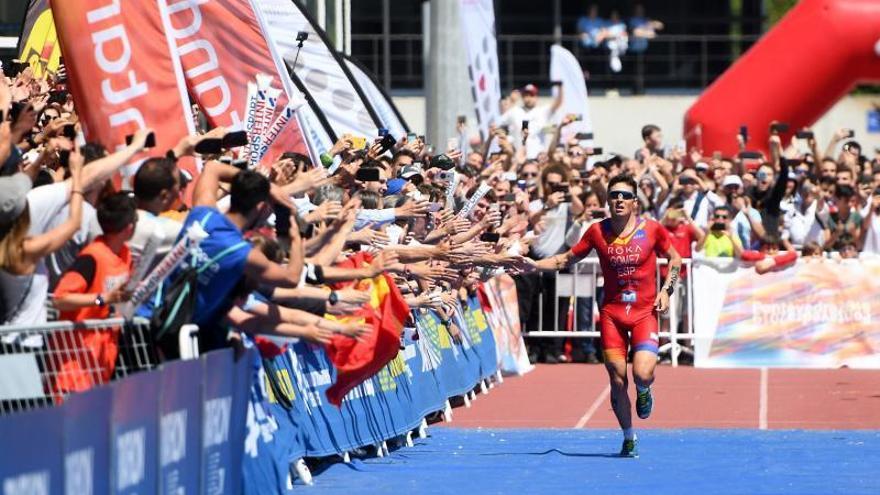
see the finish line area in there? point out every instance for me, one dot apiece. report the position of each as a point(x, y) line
point(555, 461)
point(551, 431)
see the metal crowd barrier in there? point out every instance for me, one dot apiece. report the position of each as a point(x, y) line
point(40, 365)
point(583, 281)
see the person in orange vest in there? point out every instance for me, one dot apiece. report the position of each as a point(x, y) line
point(88, 290)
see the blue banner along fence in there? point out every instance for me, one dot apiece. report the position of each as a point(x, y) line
point(223, 425)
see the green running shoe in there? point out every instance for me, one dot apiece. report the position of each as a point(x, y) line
point(644, 403)
point(630, 448)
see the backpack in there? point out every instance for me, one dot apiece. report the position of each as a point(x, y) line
point(178, 304)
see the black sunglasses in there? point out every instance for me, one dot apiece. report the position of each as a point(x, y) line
point(621, 195)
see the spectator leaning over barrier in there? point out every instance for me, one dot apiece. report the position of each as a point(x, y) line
point(842, 219)
point(22, 251)
point(747, 220)
point(721, 241)
point(96, 281)
point(156, 188)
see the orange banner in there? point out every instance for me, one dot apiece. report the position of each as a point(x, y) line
point(121, 72)
point(221, 48)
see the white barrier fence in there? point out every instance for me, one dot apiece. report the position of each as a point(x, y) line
point(583, 282)
point(39, 365)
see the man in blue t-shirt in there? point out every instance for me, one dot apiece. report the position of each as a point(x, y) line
point(249, 207)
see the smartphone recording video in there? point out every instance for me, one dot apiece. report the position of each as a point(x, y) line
point(235, 139)
point(367, 174)
point(209, 146)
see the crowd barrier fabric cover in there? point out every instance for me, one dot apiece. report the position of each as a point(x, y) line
point(122, 74)
point(221, 425)
point(767, 82)
point(565, 67)
point(810, 315)
point(385, 108)
point(221, 48)
point(481, 46)
point(329, 87)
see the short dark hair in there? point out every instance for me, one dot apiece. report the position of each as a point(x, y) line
point(724, 208)
point(403, 152)
point(154, 176)
point(648, 130)
point(248, 189)
point(116, 212)
point(298, 159)
point(843, 191)
point(624, 179)
point(92, 152)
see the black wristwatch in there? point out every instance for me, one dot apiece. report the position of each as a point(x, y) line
point(100, 302)
point(333, 298)
point(670, 289)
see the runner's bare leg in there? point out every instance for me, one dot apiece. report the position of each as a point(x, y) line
point(619, 397)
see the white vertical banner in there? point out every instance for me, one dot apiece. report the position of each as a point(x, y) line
point(565, 67)
point(382, 104)
point(329, 86)
point(478, 34)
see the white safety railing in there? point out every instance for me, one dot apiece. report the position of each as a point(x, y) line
point(583, 281)
point(40, 365)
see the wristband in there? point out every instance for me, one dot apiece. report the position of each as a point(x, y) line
point(100, 302)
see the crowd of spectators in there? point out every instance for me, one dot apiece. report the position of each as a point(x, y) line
point(276, 239)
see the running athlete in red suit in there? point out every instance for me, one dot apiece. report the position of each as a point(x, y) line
point(627, 247)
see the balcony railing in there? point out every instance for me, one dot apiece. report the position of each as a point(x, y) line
point(670, 61)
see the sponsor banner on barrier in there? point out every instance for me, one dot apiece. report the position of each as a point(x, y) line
point(134, 436)
point(216, 443)
point(87, 441)
point(31, 457)
point(502, 310)
point(481, 335)
point(814, 314)
point(180, 420)
point(121, 73)
point(242, 377)
point(274, 437)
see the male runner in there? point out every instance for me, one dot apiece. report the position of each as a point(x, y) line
point(627, 246)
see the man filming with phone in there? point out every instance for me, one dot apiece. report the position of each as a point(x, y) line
point(531, 116)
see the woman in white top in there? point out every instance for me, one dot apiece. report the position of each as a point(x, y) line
point(20, 252)
point(870, 240)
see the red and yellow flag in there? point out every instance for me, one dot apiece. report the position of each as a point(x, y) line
point(358, 360)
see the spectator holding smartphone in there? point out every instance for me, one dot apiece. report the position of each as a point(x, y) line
point(721, 242)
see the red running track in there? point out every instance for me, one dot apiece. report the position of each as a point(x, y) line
point(576, 396)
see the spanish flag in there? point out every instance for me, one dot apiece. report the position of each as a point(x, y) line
point(356, 361)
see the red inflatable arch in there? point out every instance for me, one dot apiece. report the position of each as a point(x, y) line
point(793, 74)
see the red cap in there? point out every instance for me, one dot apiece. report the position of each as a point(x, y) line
point(530, 89)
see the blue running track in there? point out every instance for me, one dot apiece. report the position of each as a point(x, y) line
point(464, 462)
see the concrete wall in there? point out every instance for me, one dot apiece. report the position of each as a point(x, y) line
point(617, 120)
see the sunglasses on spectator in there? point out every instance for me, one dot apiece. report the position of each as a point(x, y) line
point(621, 195)
point(720, 217)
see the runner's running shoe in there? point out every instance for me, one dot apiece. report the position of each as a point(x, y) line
point(630, 448)
point(644, 403)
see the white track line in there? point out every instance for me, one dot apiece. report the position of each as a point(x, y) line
point(594, 407)
point(762, 405)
